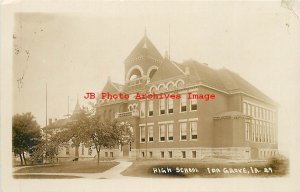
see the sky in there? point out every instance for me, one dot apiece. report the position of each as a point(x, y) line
point(74, 52)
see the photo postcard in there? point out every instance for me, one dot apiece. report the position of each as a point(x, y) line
point(150, 95)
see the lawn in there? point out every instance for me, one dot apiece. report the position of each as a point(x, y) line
point(201, 169)
point(45, 177)
point(70, 167)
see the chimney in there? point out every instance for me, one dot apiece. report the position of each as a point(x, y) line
point(187, 70)
point(50, 121)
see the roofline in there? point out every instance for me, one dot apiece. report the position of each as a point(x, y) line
point(177, 67)
point(239, 92)
point(115, 86)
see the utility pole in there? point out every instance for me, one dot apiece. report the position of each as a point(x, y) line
point(169, 42)
point(46, 122)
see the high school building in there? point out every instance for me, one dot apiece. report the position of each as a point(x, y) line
point(240, 122)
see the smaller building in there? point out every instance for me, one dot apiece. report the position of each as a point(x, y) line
point(66, 151)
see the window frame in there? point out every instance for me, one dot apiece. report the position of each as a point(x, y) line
point(159, 131)
point(168, 136)
point(142, 108)
point(160, 107)
point(183, 102)
point(180, 129)
point(150, 103)
point(172, 101)
point(191, 104)
point(142, 127)
point(191, 136)
point(148, 128)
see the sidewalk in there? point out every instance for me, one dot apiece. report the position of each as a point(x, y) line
point(112, 173)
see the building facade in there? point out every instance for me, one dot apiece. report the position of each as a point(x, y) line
point(66, 151)
point(218, 114)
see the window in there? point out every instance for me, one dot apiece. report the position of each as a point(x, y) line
point(111, 154)
point(183, 154)
point(170, 132)
point(170, 106)
point(162, 132)
point(244, 108)
point(256, 131)
point(183, 131)
point(179, 84)
point(256, 111)
point(183, 103)
point(142, 109)
point(143, 133)
point(247, 131)
point(143, 154)
point(150, 154)
point(249, 109)
point(90, 151)
point(162, 154)
point(194, 154)
point(271, 116)
point(150, 109)
point(162, 88)
point(106, 154)
point(82, 149)
point(150, 133)
point(162, 106)
point(193, 104)
point(170, 87)
point(170, 154)
point(193, 125)
point(67, 150)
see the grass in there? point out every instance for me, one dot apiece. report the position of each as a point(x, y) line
point(45, 177)
point(70, 167)
point(198, 169)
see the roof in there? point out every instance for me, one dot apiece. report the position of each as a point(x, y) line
point(233, 82)
point(60, 123)
point(112, 87)
point(144, 48)
point(167, 69)
point(77, 108)
point(205, 74)
point(223, 79)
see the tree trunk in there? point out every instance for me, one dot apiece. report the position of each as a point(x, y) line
point(20, 155)
point(77, 151)
point(24, 158)
point(98, 154)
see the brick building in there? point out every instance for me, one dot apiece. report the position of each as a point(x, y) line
point(239, 123)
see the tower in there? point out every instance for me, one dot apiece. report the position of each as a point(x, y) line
point(143, 61)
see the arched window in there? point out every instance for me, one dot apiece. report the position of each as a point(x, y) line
point(161, 88)
point(151, 71)
point(170, 86)
point(153, 89)
point(179, 83)
point(134, 73)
